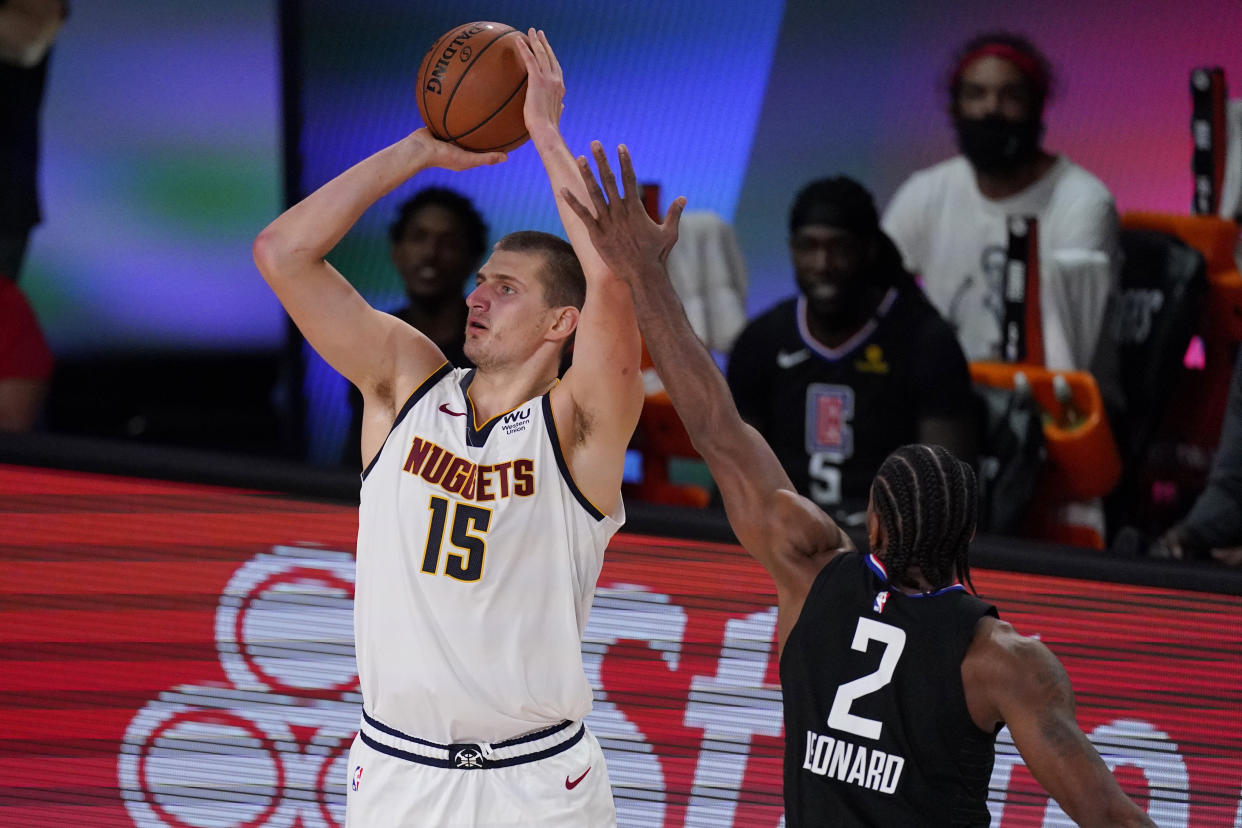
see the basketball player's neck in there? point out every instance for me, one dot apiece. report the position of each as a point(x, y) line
point(496, 389)
point(912, 582)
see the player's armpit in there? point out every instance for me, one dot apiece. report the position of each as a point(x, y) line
point(808, 539)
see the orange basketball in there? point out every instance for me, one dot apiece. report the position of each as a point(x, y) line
point(471, 88)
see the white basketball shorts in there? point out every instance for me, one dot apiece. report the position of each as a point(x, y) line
point(553, 778)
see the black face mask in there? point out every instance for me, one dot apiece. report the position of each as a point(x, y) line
point(995, 145)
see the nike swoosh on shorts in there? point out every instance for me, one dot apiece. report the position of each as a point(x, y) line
point(569, 786)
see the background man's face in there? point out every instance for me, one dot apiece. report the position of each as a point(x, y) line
point(432, 255)
point(830, 267)
point(993, 86)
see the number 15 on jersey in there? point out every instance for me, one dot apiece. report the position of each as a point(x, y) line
point(466, 564)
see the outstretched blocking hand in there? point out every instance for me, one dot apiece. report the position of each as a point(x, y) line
point(450, 156)
point(624, 235)
point(791, 536)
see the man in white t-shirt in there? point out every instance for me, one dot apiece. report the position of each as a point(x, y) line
point(950, 220)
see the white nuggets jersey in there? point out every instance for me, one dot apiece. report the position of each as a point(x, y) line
point(477, 563)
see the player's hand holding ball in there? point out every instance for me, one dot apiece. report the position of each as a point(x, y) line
point(472, 87)
point(448, 156)
point(545, 93)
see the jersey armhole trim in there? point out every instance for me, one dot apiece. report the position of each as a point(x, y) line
point(419, 392)
point(555, 439)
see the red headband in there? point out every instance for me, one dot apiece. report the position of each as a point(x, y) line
point(1026, 64)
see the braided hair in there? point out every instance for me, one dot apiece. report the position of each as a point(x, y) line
point(925, 500)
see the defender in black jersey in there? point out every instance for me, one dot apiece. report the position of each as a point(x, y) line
point(895, 678)
point(857, 364)
point(872, 680)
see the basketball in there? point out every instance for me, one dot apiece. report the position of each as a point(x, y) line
point(471, 88)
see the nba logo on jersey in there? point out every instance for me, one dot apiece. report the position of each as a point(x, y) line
point(881, 598)
point(829, 409)
point(357, 780)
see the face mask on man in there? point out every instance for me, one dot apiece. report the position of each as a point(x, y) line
point(995, 145)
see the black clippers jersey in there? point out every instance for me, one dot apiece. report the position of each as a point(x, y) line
point(832, 415)
point(877, 732)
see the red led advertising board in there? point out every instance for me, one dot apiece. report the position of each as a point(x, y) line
point(182, 655)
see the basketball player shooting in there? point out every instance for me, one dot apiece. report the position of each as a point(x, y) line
point(487, 498)
point(896, 679)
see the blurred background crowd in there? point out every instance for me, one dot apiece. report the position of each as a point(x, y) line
point(1009, 231)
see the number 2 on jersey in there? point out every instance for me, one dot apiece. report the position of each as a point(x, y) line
point(894, 641)
point(466, 565)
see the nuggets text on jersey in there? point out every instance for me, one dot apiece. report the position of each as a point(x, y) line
point(463, 478)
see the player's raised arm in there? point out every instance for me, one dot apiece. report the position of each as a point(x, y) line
point(365, 345)
point(603, 386)
point(545, 94)
point(788, 534)
point(1017, 680)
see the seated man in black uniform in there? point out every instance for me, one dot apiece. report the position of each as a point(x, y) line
point(857, 364)
point(885, 656)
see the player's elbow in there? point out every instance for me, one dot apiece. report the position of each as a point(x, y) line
point(264, 249)
point(1124, 813)
point(271, 252)
point(1118, 811)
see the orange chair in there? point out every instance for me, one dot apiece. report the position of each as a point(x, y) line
point(1082, 459)
point(660, 437)
point(1163, 285)
point(1217, 239)
point(1188, 433)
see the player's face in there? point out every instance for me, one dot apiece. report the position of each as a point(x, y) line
point(508, 314)
point(993, 86)
point(432, 255)
point(830, 267)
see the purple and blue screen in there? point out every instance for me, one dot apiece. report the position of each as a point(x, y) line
point(162, 134)
point(161, 160)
